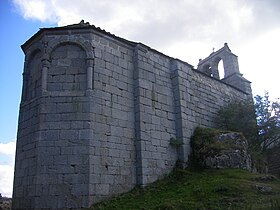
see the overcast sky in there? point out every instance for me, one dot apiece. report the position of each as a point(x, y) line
point(184, 29)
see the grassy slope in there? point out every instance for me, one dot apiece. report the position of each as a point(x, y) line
point(208, 189)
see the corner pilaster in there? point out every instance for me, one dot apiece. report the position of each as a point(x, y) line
point(181, 85)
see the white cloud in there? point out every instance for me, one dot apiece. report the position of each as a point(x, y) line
point(36, 9)
point(192, 19)
point(6, 180)
point(258, 59)
point(8, 148)
point(7, 159)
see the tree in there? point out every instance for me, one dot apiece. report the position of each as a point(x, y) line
point(239, 116)
point(259, 122)
point(268, 121)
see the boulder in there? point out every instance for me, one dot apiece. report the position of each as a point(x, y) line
point(220, 149)
point(264, 189)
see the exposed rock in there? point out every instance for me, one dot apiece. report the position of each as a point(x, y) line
point(218, 149)
point(264, 189)
point(233, 156)
point(266, 178)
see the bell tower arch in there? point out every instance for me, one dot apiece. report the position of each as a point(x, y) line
point(232, 75)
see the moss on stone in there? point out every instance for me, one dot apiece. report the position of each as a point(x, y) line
point(209, 143)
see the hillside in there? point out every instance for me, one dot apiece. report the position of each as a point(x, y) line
point(207, 189)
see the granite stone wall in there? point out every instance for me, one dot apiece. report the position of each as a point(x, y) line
point(154, 115)
point(112, 156)
point(97, 115)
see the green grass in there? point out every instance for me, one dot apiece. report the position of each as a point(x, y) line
point(207, 189)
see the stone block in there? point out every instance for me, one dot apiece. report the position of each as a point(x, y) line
point(48, 108)
point(52, 117)
point(64, 62)
point(69, 134)
point(56, 70)
point(156, 120)
point(122, 85)
point(116, 131)
point(113, 170)
point(102, 189)
point(145, 84)
point(80, 189)
point(60, 159)
point(66, 150)
point(107, 179)
point(97, 54)
point(123, 63)
point(114, 153)
point(80, 78)
point(95, 178)
point(126, 154)
point(77, 125)
point(82, 169)
point(119, 114)
point(74, 179)
point(65, 107)
point(108, 57)
point(74, 160)
point(86, 134)
point(54, 87)
point(80, 150)
point(128, 133)
point(155, 134)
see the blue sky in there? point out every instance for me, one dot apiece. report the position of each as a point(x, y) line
point(15, 30)
point(187, 29)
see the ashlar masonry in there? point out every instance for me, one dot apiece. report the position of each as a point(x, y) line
point(97, 114)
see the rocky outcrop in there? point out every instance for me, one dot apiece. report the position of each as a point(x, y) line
point(273, 161)
point(219, 149)
point(234, 156)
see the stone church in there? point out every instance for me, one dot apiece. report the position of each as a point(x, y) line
point(98, 112)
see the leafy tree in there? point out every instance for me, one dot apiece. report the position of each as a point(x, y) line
point(259, 122)
point(268, 120)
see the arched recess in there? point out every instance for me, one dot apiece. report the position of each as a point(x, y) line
point(68, 68)
point(32, 75)
point(83, 43)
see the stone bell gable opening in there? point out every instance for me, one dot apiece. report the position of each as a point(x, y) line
point(230, 75)
point(98, 112)
point(210, 64)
